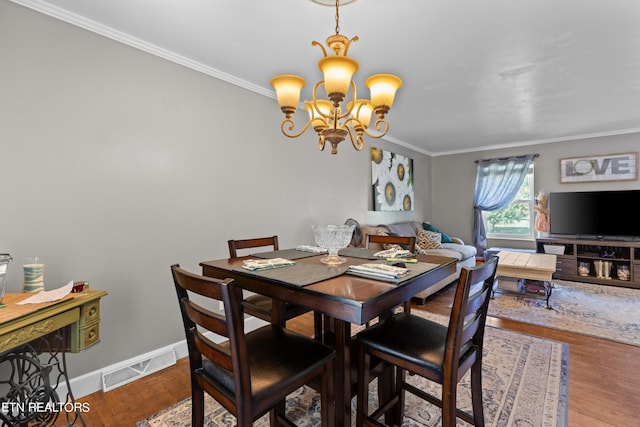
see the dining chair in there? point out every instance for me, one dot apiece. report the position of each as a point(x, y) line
point(405, 241)
point(249, 374)
point(439, 353)
point(261, 306)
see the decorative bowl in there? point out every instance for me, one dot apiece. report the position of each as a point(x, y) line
point(333, 238)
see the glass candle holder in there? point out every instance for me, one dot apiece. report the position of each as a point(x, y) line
point(583, 268)
point(33, 274)
point(4, 265)
point(623, 272)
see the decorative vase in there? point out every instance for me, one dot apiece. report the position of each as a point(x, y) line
point(541, 224)
point(606, 265)
point(598, 266)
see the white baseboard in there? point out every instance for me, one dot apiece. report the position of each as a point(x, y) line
point(91, 382)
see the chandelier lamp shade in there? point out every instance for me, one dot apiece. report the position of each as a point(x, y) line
point(341, 114)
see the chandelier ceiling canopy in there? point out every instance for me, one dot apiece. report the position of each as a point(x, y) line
point(342, 113)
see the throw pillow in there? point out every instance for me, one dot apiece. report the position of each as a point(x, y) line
point(429, 227)
point(429, 240)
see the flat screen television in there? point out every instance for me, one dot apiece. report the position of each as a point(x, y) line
point(595, 214)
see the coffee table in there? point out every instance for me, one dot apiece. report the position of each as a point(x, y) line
point(527, 266)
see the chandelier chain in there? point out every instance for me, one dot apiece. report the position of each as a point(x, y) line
point(337, 16)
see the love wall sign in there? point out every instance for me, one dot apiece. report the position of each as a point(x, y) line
point(611, 167)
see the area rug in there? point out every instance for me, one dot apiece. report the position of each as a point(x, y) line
point(608, 312)
point(524, 383)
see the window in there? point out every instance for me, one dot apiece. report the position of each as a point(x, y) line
point(516, 220)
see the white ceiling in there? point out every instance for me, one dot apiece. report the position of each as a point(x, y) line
point(477, 73)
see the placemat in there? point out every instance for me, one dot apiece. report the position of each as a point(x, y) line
point(416, 270)
point(359, 253)
point(300, 274)
point(286, 254)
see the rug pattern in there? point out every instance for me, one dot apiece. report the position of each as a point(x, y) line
point(524, 381)
point(600, 311)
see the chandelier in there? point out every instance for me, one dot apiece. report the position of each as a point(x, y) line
point(337, 117)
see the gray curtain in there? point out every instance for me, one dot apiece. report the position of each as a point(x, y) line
point(497, 183)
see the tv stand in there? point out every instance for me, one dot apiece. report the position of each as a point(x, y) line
point(601, 260)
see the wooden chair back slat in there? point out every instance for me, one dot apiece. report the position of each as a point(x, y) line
point(235, 245)
point(409, 241)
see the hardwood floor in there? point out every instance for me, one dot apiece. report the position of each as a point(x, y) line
point(604, 379)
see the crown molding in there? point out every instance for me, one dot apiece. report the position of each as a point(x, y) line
point(543, 141)
point(119, 36)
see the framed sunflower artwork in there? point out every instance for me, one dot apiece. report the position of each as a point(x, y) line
point(391, 180)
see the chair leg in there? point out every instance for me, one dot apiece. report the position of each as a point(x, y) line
point(449, 390)
point(407, 306)
point(476, 393)
point(197, 407)
point(386, 389)
point(399, 390)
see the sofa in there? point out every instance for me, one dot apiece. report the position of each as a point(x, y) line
point(445, 245)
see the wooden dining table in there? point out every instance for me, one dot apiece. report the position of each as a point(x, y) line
point(343, 298)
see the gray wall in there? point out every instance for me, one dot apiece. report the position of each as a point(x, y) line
point(453, 179)
point(115, 164)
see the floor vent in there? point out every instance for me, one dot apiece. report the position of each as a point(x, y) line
point(134, 369)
